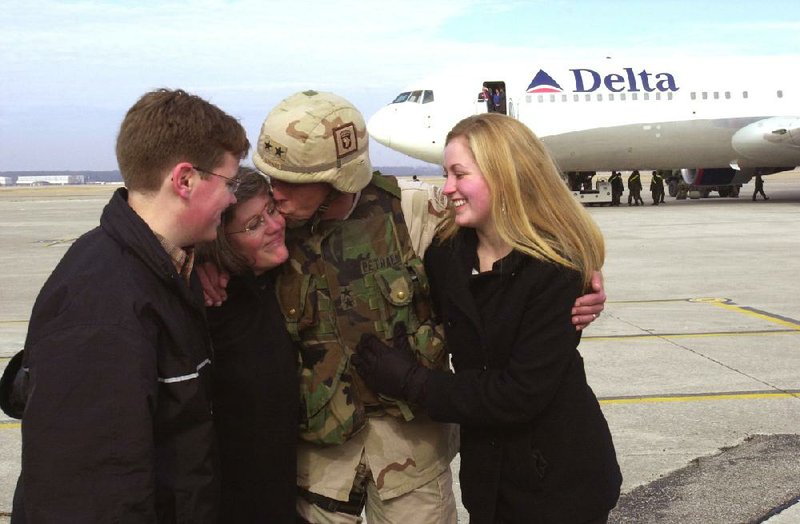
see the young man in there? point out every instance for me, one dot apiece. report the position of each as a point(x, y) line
point(118, 423)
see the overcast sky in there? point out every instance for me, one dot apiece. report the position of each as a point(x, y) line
point(69, 70)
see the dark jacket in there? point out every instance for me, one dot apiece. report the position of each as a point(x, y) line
point(118, 424)
point(256, 403)
point(535, 446)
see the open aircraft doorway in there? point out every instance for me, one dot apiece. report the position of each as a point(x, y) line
point(492, 98)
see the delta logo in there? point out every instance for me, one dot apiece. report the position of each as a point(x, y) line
point(589, 80)
point(544, 83)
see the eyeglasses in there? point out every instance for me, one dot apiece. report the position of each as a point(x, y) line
point(255, 223)
point(232, 183)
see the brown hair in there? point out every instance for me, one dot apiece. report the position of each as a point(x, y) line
point(532, 208)
point(165, 127)
point(220, 251)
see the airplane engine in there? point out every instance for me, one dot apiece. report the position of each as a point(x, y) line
point(724, 180)
point(718, 176)
point(689, 175)
point(772, 142)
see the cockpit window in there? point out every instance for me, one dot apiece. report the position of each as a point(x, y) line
point(402, 97)
point(415, 97)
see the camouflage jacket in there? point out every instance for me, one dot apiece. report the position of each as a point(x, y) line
point(346, 278)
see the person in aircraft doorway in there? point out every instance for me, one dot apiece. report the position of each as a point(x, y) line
point(486, 93)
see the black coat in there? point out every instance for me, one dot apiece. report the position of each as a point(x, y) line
point(118, 424)
point(256, 404)
point(535, 446)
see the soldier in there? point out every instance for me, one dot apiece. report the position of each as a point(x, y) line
point(353, 269)
point(616, 187)
point(635, 188)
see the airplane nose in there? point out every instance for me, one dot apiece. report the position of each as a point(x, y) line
point(380, 126)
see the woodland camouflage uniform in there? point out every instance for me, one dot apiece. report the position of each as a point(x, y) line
point(349, 277)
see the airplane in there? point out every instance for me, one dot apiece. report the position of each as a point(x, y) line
point(719, 121)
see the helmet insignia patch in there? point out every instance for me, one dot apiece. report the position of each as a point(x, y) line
point(346, 139)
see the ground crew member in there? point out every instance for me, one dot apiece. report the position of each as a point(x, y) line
point(635, 188)
point(657, 188)
point(662, 188)
point(759, 188)
point(617, 187)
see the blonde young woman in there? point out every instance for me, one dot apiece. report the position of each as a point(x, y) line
point(509, 262)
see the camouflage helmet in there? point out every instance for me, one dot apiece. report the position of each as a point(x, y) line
point(315, 137)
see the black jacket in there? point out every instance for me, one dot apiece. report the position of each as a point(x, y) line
point(535, 446)
point(256, 404)
point(118, 424)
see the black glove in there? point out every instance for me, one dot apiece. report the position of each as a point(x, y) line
point(391, 370)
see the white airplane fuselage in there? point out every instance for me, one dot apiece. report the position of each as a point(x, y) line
point(739, 114)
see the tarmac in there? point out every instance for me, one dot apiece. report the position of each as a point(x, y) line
point(695, 359)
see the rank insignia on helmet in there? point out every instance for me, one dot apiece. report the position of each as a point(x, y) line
point(271, 151)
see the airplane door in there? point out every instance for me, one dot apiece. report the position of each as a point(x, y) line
point(493, 93)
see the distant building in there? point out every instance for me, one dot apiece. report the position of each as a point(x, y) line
point(6, 181)
point(56, 180)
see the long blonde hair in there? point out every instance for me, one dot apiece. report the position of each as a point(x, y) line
point(532, 209)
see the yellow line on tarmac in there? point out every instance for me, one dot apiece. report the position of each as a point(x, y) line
point(762, 315)
point(692, 335)
point(700, 397)
point(10, 425)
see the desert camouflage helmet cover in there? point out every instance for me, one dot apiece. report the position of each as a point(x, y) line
point(315, 137)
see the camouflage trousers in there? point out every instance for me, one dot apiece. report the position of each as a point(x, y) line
point(402, 467)
point(431, 503)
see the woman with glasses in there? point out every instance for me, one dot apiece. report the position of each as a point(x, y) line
point(256, 401)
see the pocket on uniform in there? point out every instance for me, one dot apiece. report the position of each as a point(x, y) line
point(397, 289)
point(296, 294)
point(405, 292)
